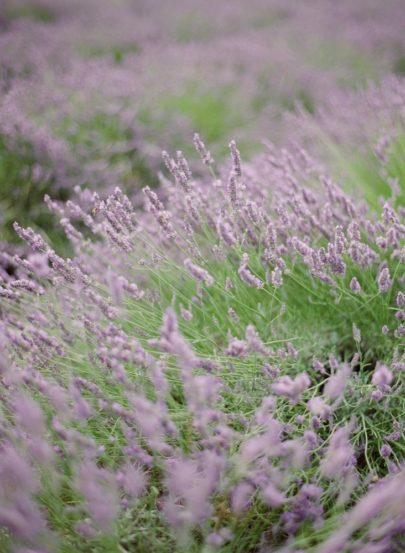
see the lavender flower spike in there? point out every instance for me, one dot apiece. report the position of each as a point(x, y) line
point(384, 280)
point(246, 275)
point(291, 388)
point(382, 376)
point(202, 150)
point(236, 161)
point(355, 285)
point(198, 272)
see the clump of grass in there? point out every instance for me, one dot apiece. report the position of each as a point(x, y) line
point(116, 51)
point(270, 17)
point(194, 27)
point(32, 11)
point(216, 114)
point(102, 138)
point(399, 65)
point(24, 181)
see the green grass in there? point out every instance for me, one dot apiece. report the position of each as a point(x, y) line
point(358, 65)
point(399, 65)
point(116, 51)
point(362, 173)
point(208, 112)
point(270, 17)
point(21, 197)
point(33, 11)
point(367, 169)
point(216, 115)
point(97, 134)
point(194, 27)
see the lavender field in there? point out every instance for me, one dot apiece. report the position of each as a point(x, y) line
point(202, 285)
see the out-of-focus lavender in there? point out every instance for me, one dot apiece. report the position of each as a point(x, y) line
point(91, 91)
point(219, 361)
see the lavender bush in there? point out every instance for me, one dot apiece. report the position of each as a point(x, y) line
point(202, 350)
point(89, 88)
point(220, 371)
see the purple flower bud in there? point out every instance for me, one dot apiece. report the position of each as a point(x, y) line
point(277, 278)
point(318, 366)
point(246, 275)
point(337, 382)
point(291, 388)
point(226, 233)
point(236, 162)
point(315, 423)
point(214, 539)
point(236, 348)
point(272, 496)
point(400, 299)
point(355, 285)
point(356, 334)
point(384, 280)
point(318, 407)
point(376, 395)
point(232, 189)
point(382, 376)
point(228, 284)
point(353, 231)
point(385, 450)
point(202, 150)
point(311, 438)
point(186, 314)
point(198, 273)
point(400, 315)
point(241, 496)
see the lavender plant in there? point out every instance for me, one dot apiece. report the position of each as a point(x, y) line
point(220, 371)
point(86, 92)
point(218, 363)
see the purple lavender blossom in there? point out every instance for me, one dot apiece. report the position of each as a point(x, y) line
point(355, 285)
point(382, 376)
point(356, 334)
point(385, 450)
point(291, 388)
point(246, 274)
point(384, 280)
point(198, 273)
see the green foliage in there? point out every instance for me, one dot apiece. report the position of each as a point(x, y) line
point(210, 113)
point(355, 65)
point(33, 11)
point(399, 65)
point(103, 137)
point(300, 97)
point(116, 51)
point(217, 115)
point(364, 173)
point(21, 196)
point(194, 27)
point(270, 17)
point(96, 137)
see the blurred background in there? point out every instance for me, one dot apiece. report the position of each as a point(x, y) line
point(91, 91)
